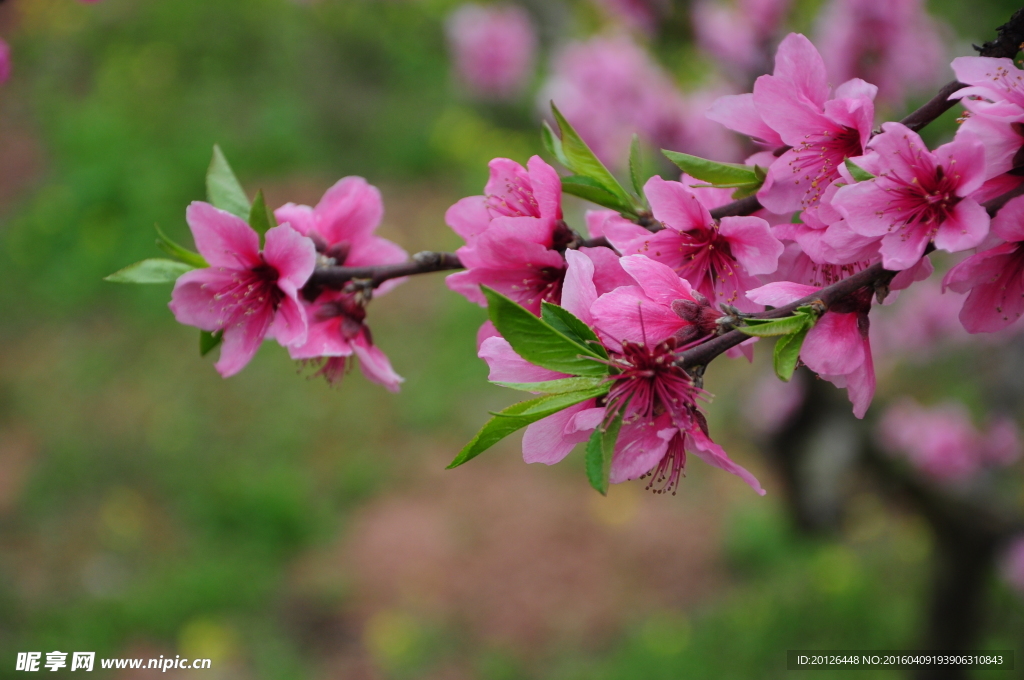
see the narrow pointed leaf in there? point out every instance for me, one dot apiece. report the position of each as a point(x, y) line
point(765, 328)
point(566, 323)
point(223, 189)
point(600, 450)
point(178, 252)
point(713, 172)
point(787, 353)
point(857, 172)
point(636, 166)
point(582, 161)
point(208, 341)
point(154, 270)
point(260, 218)
point(538, 342)
point(553, 144)
point(590, 190)
point(560, 386)
point(518, 416)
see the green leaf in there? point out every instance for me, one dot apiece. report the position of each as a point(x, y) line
point(582, 161)
point(538, 342)
point(222, 187)
point(560, 386)
point(787, 353)
point(857, 172)
point(718, 174)
point(590, 190)
point(178, 252)
point(744, 190)
point(154, 270)
point(260, 218)
point(766, 328)
point(553, 144)
point(636, 166)
point(566, 323)
point(600, 450)
point(208, 341)
point(519, 416)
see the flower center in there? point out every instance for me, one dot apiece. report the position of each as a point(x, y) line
point(517, 201)
point(927, 199)
point(251, 292)
point(816, 160)
point(650, 383)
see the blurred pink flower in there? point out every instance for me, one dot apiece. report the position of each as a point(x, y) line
point(943, 443)
point(920, 322)
point(342, 225)
point(641, 15)
point(739, 34)
point(246, 293)
point(891, 43)
point(493, 48)
point(5, 61)
point(1012, 566)
point(771, 403)
point(608, 88)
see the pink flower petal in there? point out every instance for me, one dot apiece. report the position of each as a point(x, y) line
point(578, 291)
point(374, 364)
point(548, 440)
point(641, 445)
point(737, 112)
point(350, 209)
point(221, 238)
point(752, 244)
point(966, 227)
point(659, 282)
point(507, 366)
point(676, 206)
point(780, 293)
point(834, 346)
point(714, 455)
point(291, 254)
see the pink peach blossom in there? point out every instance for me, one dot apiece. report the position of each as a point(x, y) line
point(720, 261)
point(657, 399)
point(493, 48)
point(246, 293)
point(994, 277)
point(342, 226)
point(511, 234)
point(793, 107)
point(919, 196)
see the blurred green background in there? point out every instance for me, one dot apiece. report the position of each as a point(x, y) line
point(289, 530)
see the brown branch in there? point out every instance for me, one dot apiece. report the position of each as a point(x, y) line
point(934, 107)
point(421, 263)
point(869, 278)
